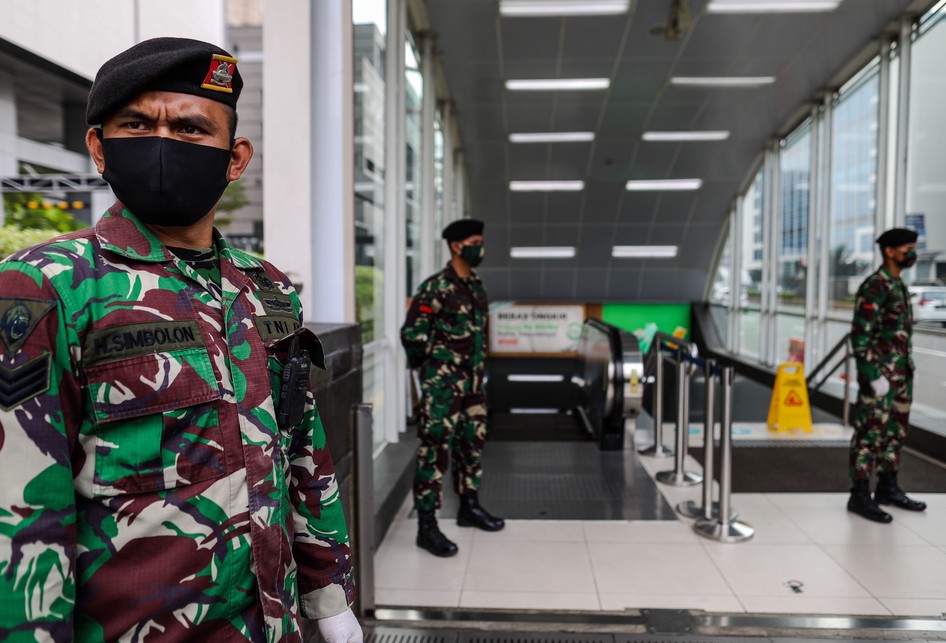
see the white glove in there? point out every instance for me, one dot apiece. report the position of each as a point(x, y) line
point(881, 386)
point(341, 628)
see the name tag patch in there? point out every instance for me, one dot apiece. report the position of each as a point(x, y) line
point(276, 326)
point(133, 340)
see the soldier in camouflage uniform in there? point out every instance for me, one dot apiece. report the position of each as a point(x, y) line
point(154, 482)
point(880, 336)
point(445, 337)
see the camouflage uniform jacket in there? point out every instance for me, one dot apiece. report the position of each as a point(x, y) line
point(882, 327)
point(146, 491)
point(447, 322)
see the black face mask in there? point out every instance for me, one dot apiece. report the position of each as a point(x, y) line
point(163, 181)
point(473, 255)
point(908, 260)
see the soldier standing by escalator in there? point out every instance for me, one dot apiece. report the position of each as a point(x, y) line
point(445, 338)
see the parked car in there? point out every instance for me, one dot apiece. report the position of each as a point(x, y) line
point(929, 303)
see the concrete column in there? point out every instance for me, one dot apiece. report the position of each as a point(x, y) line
point(8, 160)
point(308, 151)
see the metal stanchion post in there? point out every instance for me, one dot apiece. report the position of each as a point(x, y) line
point(679, 476)
point(658, 450)
point(728, 529)
point(709, 508)
point(363, 508)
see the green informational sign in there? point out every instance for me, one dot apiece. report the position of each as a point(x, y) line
point(644, 320)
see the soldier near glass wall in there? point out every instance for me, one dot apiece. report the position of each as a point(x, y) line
point(163, 467)
point(445, 338)
point(880, 335)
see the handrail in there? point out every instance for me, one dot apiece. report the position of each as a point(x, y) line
point(843, 343)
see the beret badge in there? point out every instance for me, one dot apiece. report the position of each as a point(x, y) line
point(220, 75)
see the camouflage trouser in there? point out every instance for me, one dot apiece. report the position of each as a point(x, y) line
point(880, 427)
point(452, 425)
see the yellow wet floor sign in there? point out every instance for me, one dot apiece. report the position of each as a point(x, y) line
point(789, 409)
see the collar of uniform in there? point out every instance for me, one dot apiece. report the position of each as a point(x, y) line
point(241, 260)
point(452, 274)
point(887, 276)
point(121, 232)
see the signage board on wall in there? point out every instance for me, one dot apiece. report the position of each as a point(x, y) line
point(534, 328)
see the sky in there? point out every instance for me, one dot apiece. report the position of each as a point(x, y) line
point(370, 11)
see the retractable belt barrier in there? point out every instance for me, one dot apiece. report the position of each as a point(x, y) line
point(715, 519)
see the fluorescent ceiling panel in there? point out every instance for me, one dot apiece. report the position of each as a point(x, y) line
point(546, 186)
point(771, 6)
point(644, 252)
point(557, 84)
point(686, 136)
point(542, 252)
point(664, 184)
point(548, 8)
point(551, 137)
point(721, 81)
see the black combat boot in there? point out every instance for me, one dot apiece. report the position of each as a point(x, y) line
point(430, 537)
point(889, 493)
point(863, 505)
point(473, 515)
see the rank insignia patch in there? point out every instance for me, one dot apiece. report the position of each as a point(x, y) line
point(23, 383)
point(18, 318)
point(220, 75)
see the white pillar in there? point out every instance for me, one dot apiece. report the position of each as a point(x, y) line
point(428, 236)
point(901, 158)
point(395, 241)
point(448, 169)
point(307, 152)
point(8, 138)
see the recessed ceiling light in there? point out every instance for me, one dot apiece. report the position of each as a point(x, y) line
point(664, 184)
point(546, 186)
point(774, 6)
point(544, 8)
point(551, 137)
point(722, 81)
point(686, 136)
point(557, 84)
point(644, 252)
point(542, 252)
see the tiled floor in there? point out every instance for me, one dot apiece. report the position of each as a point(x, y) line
point(841, 563)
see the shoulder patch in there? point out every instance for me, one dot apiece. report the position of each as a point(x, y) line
point(18, 318)
point(262, 280)
point(23, 383)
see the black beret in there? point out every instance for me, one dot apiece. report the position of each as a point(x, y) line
point(177, 65)
point(463, 229)
point(896, 237)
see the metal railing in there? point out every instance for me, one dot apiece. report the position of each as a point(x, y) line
point(362, 514)
point(826, 370)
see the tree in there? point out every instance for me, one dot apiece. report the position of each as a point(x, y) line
point(234, 198)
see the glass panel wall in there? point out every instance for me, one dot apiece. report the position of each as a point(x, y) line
point(413, 133)
point(439, 205)
point(792, 245)
point(926, 183)
point(853, 190)
point(753, 222)
point(368, 38)
point(926, 212)
point(720, 296)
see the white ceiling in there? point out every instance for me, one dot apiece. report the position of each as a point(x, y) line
point(481, 50)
